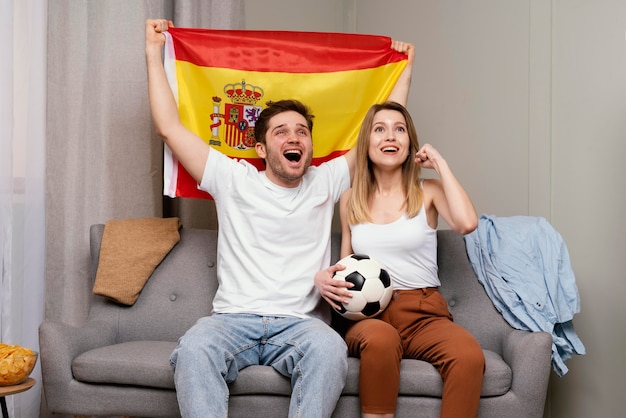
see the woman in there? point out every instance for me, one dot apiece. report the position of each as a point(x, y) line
point(391, 215)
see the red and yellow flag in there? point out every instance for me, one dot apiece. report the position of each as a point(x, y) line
point(222, 80)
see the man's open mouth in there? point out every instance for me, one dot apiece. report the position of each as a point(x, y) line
point(293, 155)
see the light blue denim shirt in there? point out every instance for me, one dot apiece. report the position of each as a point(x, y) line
point(524, 265)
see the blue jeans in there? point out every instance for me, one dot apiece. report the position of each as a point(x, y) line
point(212, 352)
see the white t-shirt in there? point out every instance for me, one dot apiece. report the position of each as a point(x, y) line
point(406, 247)
point(272, 239)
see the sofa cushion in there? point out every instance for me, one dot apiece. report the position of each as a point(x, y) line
point(496, 382)
point(499, 376)
point(130, 251)
point(141, 363)
point(146, 363)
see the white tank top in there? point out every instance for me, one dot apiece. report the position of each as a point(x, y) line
point(406, 247)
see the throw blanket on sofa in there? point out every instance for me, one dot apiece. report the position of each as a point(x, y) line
point(524, 265)
point(130, 251)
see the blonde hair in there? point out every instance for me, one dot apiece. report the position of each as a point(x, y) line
point(364, 183)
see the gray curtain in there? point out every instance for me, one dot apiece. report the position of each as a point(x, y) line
point(103, 158)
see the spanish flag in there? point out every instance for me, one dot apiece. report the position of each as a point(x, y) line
point(222, 80)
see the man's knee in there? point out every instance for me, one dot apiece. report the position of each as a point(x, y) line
point(330, 349)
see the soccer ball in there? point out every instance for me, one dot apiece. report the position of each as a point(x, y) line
point(372, 287)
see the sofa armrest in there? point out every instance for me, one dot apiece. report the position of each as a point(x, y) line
point(59, 344)
point(529, 354)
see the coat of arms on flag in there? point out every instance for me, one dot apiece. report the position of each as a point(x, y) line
point(222, 80)
point(239, 115)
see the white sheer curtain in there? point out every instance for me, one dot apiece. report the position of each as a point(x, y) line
point(22, 172)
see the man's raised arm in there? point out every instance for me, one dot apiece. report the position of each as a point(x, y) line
point(187, 147)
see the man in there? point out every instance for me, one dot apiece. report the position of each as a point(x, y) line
point(274, 236)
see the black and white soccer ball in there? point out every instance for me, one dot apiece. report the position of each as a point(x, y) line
point(372, 287)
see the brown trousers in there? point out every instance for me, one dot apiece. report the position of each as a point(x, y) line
point(418, 325)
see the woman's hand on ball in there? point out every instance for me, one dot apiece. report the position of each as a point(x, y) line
point(332, 290)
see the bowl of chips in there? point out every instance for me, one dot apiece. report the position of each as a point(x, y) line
point(16, 364)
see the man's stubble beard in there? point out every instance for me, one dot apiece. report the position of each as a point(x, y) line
point(277, 164)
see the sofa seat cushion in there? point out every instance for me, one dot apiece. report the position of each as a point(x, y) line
point(140, 363)
point(146, 363)
point(420, 378)
point(260, 380)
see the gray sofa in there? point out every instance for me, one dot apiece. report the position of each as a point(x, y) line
point(117, 362)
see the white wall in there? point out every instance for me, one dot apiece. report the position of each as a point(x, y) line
point(318, 15)
point(527, 102)
point(589, 145)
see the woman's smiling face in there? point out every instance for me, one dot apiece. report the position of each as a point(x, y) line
point(389, 138)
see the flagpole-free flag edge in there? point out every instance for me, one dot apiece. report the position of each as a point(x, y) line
point(283, 51)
